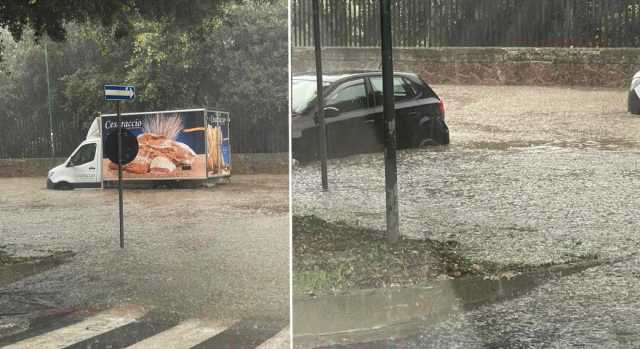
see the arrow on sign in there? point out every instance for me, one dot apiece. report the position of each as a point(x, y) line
point(119, 93)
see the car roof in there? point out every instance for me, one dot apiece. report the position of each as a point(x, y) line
point(335, 76)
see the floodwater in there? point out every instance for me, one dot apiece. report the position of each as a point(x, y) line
point(534, 175)
point(210, 253)
point(377, 314)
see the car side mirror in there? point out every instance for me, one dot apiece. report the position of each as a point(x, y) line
point(70, 163)
point(331, 112)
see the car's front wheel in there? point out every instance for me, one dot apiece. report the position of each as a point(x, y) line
point(63, 186)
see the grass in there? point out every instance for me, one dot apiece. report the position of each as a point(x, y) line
point(331, 258)
point(334, 257)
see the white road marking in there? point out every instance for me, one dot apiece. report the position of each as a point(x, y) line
point(183, 336)
point(279, 341)
point(96, 325)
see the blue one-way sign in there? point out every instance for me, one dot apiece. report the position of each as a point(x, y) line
point(119, 93)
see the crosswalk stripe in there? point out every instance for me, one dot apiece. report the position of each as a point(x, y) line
point(95, 325)
point(182, 336)
point(279, 341)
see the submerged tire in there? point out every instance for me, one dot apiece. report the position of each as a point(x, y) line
point(442, 133)
point(633, 103)
point(63, 186)
point(434, 132)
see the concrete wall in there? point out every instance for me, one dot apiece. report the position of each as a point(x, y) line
point(607, 67)
point(242, 164)
point(248, 163)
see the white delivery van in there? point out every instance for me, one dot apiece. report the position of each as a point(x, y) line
point(173, 145)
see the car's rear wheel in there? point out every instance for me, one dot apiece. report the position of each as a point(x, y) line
point(432, 132)
point(441, 132)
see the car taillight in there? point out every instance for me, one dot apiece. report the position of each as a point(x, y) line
point(441, 107)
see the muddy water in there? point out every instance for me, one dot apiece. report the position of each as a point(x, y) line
point(532, 181)
point(371, 315)
point(13, 272)
point(533, 175)
point(538, 204)
point(208, 253)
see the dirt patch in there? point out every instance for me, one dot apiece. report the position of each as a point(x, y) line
point(8, 258)
point(16, 266)
point(331, 258)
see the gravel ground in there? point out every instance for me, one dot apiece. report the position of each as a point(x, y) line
point(220, 253)
point(533, 175)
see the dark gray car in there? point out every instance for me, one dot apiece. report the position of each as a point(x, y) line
point(353, 114)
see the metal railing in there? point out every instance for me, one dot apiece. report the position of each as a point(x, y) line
point(435, 23)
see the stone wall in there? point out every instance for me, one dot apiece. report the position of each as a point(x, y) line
point(242, 164)
point(583, 67)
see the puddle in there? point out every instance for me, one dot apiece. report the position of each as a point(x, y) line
point(12, 272)
point(372, 315)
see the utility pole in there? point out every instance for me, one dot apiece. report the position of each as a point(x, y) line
point(390, 166)
point(322, 128)
point(49, 100)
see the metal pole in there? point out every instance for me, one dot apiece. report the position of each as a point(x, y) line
point(322, 128)
point(120, 175)
point(390, 167)
point(49, 100)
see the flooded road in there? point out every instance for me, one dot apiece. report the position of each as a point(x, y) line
point(209, 253)
point(534, 175)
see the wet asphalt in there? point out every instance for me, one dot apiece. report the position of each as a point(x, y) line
point(217, 253)
point(534, 175)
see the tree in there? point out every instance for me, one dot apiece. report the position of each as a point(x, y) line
point(50, 16)
point(235, 60)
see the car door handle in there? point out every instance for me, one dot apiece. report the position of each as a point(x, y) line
point(413, 113)
point(92, 168)
point(369, 121)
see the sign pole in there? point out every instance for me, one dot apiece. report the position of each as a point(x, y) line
point(322, 128)
point(390, 166)
point(118, 93)
point(120, 175)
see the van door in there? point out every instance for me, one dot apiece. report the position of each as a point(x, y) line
point(83, 166)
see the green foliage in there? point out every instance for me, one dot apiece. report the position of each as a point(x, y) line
point(49, 16)
point(236, 60)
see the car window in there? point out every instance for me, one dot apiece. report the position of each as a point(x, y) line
point(303, 93)
point(401, 89)
point(350, 96)
point(84, 155)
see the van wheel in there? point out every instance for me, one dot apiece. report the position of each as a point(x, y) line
point(64, 186)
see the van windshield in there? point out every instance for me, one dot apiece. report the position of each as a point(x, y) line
point(84, 155)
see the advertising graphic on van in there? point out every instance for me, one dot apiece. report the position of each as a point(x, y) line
point(178, 145)
point(171, 146)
